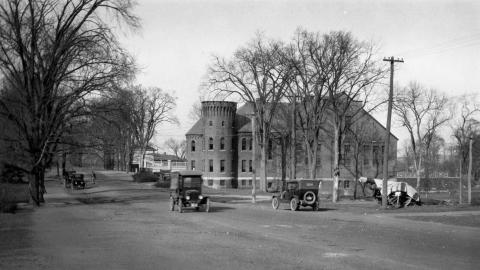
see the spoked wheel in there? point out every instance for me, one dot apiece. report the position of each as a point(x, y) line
point(294, 204)
point(171, 204)
point(180, 206)
point(395, 201)
point(207, 205)
point(275, 203)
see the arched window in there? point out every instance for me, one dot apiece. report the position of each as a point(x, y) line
point(244, 144)
point(192, 146)
point(210, 143)
point(222, 143)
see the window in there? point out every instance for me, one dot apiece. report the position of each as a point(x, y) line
point(192, 165)
point(222, 143)
point(244, 144)
point(250, 144)
point(346, 184)
point(222, 183)
point(223, 123)
point(249, 182)
point(192, 146)
point(243, 165)
point(222, 165)
point(210, 123)
point(270, 149)
point(244, 182)
point(210, 165)
point(250, 167)
point(210, 143)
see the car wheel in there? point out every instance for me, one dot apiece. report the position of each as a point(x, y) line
point(394, 201)
point(207, 205)
point(275, 203)
point(171, 204)
point(294, 204)
point(180, 206)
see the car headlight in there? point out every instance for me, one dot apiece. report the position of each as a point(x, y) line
point(188, 197)
point(200, 197)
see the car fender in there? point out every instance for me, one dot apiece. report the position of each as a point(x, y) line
point(204, 199)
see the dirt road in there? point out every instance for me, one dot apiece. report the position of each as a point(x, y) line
point(123, 225)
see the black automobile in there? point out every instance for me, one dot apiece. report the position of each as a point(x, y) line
point(298, 193)
point(186, 191)
point(77, 181)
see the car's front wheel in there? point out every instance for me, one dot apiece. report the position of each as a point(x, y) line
point(294, 204)
point(275, 203)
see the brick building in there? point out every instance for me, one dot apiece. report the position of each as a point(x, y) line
point(220, 145)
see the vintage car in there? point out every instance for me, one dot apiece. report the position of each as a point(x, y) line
point(399, 194)
point(186, 191)
point(77, 181)
point(298, 193)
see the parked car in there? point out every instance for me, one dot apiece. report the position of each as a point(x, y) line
point(399, 194)
point(186, 191)
point(298, 193)
point(78, 181)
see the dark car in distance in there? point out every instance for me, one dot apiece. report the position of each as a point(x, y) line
point(298, 193)
point(78, 181)
point(186, 191)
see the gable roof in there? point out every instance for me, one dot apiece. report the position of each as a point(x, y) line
point(197, 129)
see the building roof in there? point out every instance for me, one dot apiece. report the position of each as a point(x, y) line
point(197, 129)
point(165, 156)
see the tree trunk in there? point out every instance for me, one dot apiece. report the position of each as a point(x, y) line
point(263, 176)
point(419, 166)
point(336, 160)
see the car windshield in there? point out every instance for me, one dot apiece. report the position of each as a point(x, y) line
point(292, 185)
point(192, 182)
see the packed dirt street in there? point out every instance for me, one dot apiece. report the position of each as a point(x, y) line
point(118, 224)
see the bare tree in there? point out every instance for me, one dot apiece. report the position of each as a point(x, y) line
point(55, 57)
point(465, 126)
point(257, 75)
point(307, 88)
point(350, 76)
point(153, 107)
point(178, 148)
point(422, 112)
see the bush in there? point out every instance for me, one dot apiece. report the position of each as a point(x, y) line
point(144, 176)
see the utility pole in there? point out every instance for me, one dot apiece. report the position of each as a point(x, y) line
point(392, 61)
point(469, 179)
point(254, 143)
point(293, 145)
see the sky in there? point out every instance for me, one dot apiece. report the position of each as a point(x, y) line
point(438, 39)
